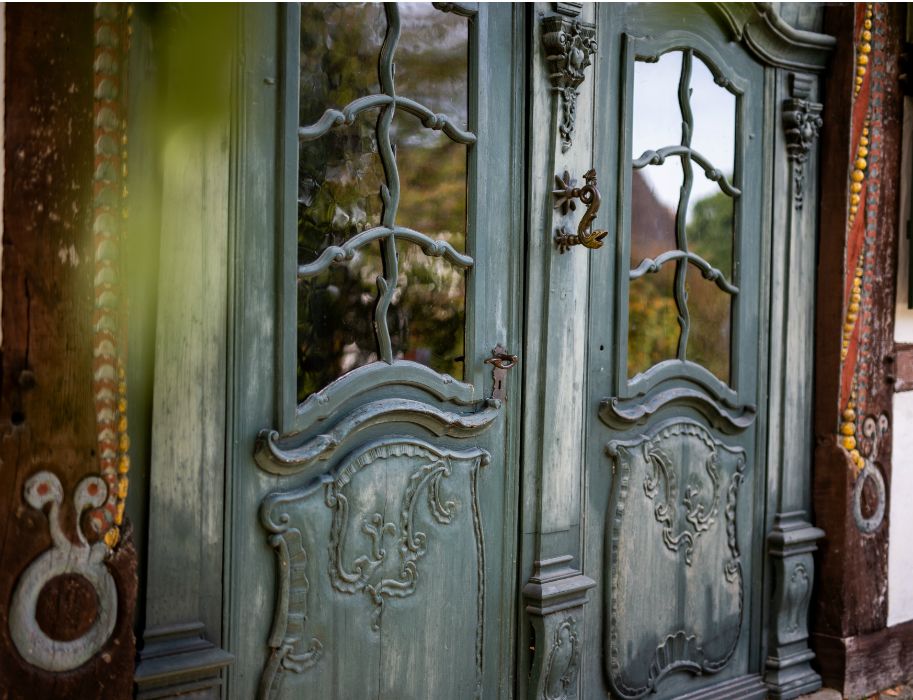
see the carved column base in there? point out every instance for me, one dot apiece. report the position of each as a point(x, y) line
point(178, 661)
point(790, 545)
point(555, 596)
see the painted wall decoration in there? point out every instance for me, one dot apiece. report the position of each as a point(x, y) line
point(70, 576)
point(859, 386)
point(854, 338)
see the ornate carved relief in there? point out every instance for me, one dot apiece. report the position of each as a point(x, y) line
point(555, 595)
point(698, 515)
point(563, 662)
point(801, 121)
point(684, 472)
point(290, 455)
point(791, 544)
point(569, 45)
point(357, 550)
point(64, 557)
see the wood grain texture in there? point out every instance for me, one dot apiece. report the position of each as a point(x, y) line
point(848, 603)
point(866, 663)
point(47, 413)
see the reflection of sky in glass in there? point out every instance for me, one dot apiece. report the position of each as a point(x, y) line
point(657, 122)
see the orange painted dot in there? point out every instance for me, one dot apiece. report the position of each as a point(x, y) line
point(93, 489)
point(42, 489)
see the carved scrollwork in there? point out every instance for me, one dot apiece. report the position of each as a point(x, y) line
point(685, 473)
point(64, 557)
point(563, 662)
point(869, 441)
point(569, 46)
point(699, 515)
point(367, 554)
point(801, 122)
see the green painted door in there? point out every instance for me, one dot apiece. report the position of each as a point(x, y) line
point(416, 512)
point(375, 490)
point(675, 463)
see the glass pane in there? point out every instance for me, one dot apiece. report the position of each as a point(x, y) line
point(713, 107)
point(339, 44)
point(339, 182)
point(709, 227)
point(652, 320)
point(428, 314)
point(710, 309)
point(657, 117)
point(432, 61)
point(335, 320)
point(652, 212)
point(339, 179)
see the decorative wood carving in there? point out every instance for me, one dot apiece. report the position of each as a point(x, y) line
point(617, 412)
point(801, 121)
point(791, 544)
point(555, 596)
point(358, 551)
point(280, 455)
point(563, 662)
point(694, 468)
point(569, 46)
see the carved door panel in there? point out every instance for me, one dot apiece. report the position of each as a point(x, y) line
point(373, 544)
point(675, 470)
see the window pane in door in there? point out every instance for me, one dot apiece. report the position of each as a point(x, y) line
point(347, 187)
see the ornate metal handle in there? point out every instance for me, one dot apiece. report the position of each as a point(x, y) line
point(564, 200)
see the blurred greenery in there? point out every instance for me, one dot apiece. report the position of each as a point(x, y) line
point(653, 329)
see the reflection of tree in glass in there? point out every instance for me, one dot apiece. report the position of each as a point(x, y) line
point(710, 235)
point(339, 182)
point(653, 329)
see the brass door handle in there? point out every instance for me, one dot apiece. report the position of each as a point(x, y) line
point(564, 200)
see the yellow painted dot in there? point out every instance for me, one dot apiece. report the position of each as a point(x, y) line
point(124, 443)
point(857, 175)
point(122, 487)
point(862, 60)
point(867, 35)
point(122, 424)
point(851, 317)
point(860, 71)
point(854, 308)
point(865, 130)
point(123, 465)
point(859, 272)
point(849, 414)
point(862, 152)
point(855, 187)
point(847, 429)
point(848, 442)
point(854, 199)
point(860, 163)
point(119, 517)
point(111, 537)
point(867, 24)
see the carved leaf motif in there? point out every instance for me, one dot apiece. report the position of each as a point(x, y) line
point(699, 515)
point(684, 471)
point(563, 662)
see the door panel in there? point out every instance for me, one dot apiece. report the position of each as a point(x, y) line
point(374, 545)
point(675, 468)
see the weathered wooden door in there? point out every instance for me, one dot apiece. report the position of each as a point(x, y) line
point(374, 494)
point(423, 211)
point(670, 335)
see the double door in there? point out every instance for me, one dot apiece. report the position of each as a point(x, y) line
point(513, 396)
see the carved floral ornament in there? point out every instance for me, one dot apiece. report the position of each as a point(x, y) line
point(802, 122)
point(569, 45)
